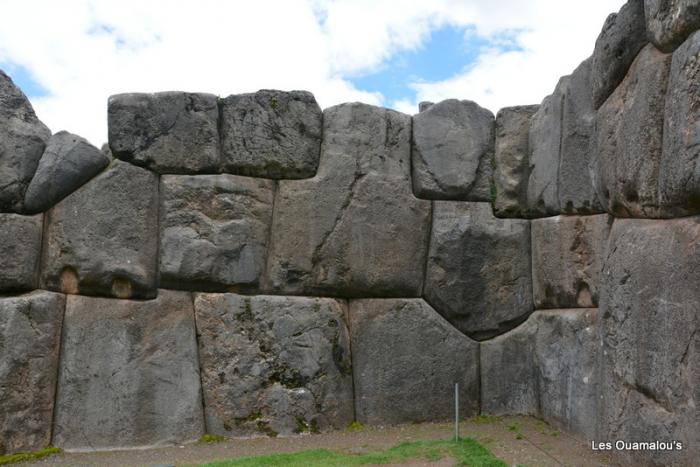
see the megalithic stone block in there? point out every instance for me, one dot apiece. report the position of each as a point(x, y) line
point(670, 22)
point(20, 251)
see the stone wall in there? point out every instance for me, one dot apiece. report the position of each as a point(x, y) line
point(256, 266)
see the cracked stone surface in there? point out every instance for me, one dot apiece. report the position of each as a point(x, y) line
point(274, 365)
point(167, 132)
point(355, 229)
point(406, 361)
point(670, 22)
point(452, 152)
point(650, 332)
point(30, 335)
point(20, 250)
point(214, 231)
point(129, 374)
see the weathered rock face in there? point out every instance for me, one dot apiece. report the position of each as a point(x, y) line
point(629, 129)
point(453, 151)
point(22, 141)
point(397, 347)
point(128, 374)
point(20, 248)
point(650, 328)
point(103, 238)
point(214, 231)
point(567, 254)
point(271, 134)
point(355, 229)
point(478, 272)
point(30, 335)
point(67, 163)
point(670, 22)
point(168, 132)
point(274, 365)
point(512, 171)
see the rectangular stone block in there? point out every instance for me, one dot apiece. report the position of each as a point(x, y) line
point(20, 251)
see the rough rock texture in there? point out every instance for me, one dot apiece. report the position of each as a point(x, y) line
point(355, 229)
point(272, 134)
point(567, 254)
point(274, 365)
point(30, 335)
point(512, 171)
point(629, 130)
point(406, 361)
point(452, 152)
point(650, 332)
point(103, 238)
point(168, 132)
point(67, 163)
point(20, 249)
point(478, 271)
point(424, 105)
point(622, 37)
point(22, 141)
point(670, 22)
point(128, 374)
point(679, 174)
point(214, 231)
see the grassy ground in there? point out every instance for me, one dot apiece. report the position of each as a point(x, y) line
point(28, 456)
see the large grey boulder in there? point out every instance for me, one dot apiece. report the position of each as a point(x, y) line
point(20, 251)
point(629, 128)
point(452, 152)
point(274, 365)
point(168, 132)
point(103, 238)
point(478, 270)
point(129, 375)
point(67, 163)
point(355, 229)
point(567, 258)
point(670, 22)
point(512, 169)
point(650, 336)
point(406, 361)
point(273, 134)
point(214, 231)
point(30, 336)
point(22, 141)
point(622, 37)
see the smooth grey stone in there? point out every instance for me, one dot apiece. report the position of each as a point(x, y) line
point(478, 271)
point(670, 22)
point(452, 151)
point(103, 238)
point(214, 231)
point(273, 134)
point(20, 251)
point(274, 365)
point(406, 361)
point(167, 132)
point(67, 163)
point(30, 336)
point(424, 105)
point(128, 375)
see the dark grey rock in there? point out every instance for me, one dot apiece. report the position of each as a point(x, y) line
point(22, 141)
point(274, 365)
point(214, 231)
point(567, 257)
point(103, 238)
point(622, 37)
point(650, 336)
point(30, 335)
point(67, 163)
point(452, 152)
point(128, 375)
point(20, 251)
point(167, 132)
point(670, 22)
point(355, 229)
point(272, 134)
point(478, 271)
point(406, 361)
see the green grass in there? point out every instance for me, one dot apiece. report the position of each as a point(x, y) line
point(209, 438)
point(466, 452)
point(354, 426)
point(484, 419)
point(28, 456)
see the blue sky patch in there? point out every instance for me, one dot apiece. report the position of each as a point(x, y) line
point(24, 80)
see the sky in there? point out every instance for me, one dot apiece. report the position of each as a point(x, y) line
point(69, 56)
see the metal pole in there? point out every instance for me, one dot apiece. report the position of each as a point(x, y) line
point(456, 411)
